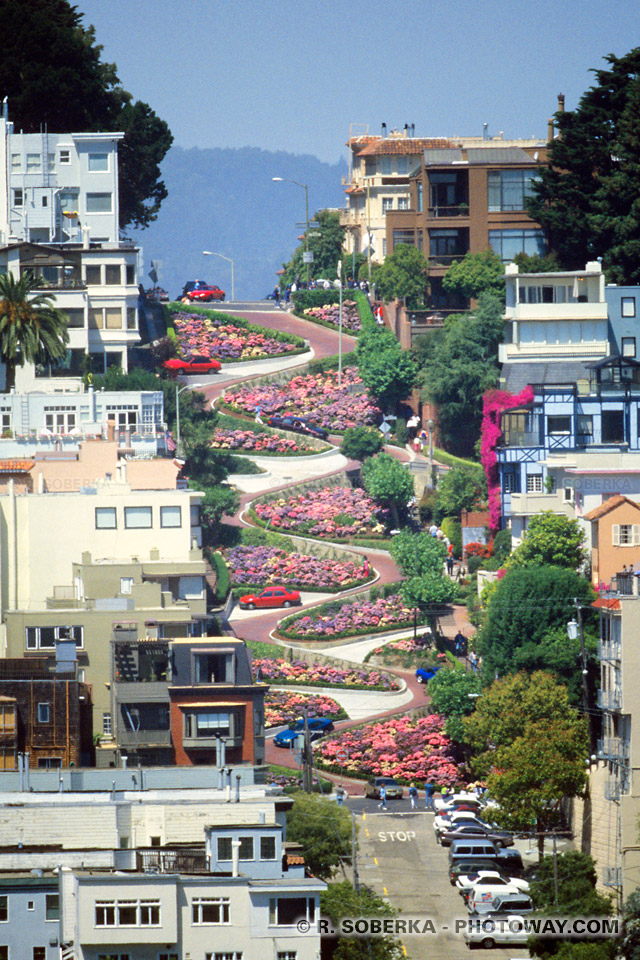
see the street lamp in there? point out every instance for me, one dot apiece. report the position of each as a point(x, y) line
point(340, 326)
point(430, 429)
point(189, 386)
point(306, 208)
point(210, 253)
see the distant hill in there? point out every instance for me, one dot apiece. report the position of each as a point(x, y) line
point(226, 201)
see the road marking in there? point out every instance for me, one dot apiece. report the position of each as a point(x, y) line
point(364, 816)
point(375, 861)
point(404, 949)
point(385, 891)
point(402, 835)
point(366, 831)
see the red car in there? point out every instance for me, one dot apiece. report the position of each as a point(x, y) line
point(270, 597)
point(195, 365)
point(205, 293)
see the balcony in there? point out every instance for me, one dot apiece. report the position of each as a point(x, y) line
point(179, 860)
point(529, 504)
point(458, 210)
point(610, 699)
point(575, 310)
point(612, 790)
point(135, 739)
point(612, 876)
point(613, 748)
point(609, 650)
point(558, 351)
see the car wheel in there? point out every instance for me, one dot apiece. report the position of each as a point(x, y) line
point(251, 606)
point(287, 603)
point(488, 943)
point(222, 297)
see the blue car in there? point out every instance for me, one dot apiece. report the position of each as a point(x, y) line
point(424, 674)
point(286, 738)
point(325, 724)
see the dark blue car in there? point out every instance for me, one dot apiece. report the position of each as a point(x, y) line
point(424, 674)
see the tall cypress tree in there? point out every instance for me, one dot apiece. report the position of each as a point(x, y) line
point(586, 199)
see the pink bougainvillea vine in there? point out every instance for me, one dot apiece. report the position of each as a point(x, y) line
point(495, 403)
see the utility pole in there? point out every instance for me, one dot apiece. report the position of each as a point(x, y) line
point(555, 871)
point(354, 854)
point(307, 781)
point(340, 326)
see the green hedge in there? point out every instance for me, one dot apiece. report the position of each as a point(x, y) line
point(448, 458)
point(223, 585)
point(304, 299)
point(331, 363)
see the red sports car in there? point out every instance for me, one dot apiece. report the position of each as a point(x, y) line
point(194, 365)
point(205, 293)
point(270, 597)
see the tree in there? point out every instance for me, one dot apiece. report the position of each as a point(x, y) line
point(324, 830)
point(53, 75)
point(586, 199)
point(453, 693)
point(552, 540)
point(340, 900)
point(420, 558)
point(388, 371)
point(524, 606)
point(389, 483)
point(403, 274)
point(558, 654)
point(359, 443)
point(461, 488)
point(32, 330)
point(326, 248)
point(476, 273)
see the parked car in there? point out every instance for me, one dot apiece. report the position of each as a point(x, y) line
point(465, 868)
point(324, 724)
point(443, 821)
point(158, 294)
point(270, 597)
point(424, 674)
point(461, 819)
point(495, 928)
point(478, 829)
point(205, 293)
point(194, 365)
point(393, 789)
point(297, 424)
point(489, 881)
point(450, 802)
point(286, 737)
point(505, 903)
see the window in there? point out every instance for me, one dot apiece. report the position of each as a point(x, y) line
point(132, 318)
point(44, 713)
point(558, 426)
point(34, 163)
point(31, 905)
point(113, 274)
point(287, 955)
point(534, 483)
point(106, 724)
point(225, 849)
point(509, 483)
point(207, 725)
point(227, 955)
point(385, 165)
point(267, 848)
point(628, 306)
point(125, 415)
point(509, 243)
point(419, 195)
point(18, 197)
point(625, 534)
point(286, 911)
point(508, 189)
point(448, 243)
point(403, 203)
point(44, 638)
point(131, 273)
point(92, 274)
point(98, 162)
point(65, 156)
point(113, 318)
point(16, 161)
point(59, 419)
point(612, 426)
point(246, 848)
point(106, 518)
point(137, 518)
point(127, 913)
point(126, 584)
point(584, 429)
point(168, 956)
point(170, 516)
point(51, 162)
point(98, 203)
point(628, 346)
point(45, 201)
point(114, 956)
point(387, 204)
point(75, 316)
point(39, 953)
point(4, 909)
point(210, 910)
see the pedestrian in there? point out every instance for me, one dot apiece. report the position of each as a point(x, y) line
point(367, 567)
point(287, 294)
point(460, 642)
point(258, 414)
point(416, 443)
point(429, 790)
point(450, 564)
point(340, 795)
point(439, 534)
point(383, 797)
point(423, 439)
point(473, 660)
point(413, 795)
point(433, 529)
point(276, 295)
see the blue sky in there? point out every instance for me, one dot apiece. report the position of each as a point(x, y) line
point(293, 74)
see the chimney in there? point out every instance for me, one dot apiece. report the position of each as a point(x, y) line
point(550, 129)
point(5, 108)
point(561, 103)
point(405, 132)
point(384, 130)
point(111, 430)
point(86, 230)
point(485, 131)
point(413, 129)
point(235, 857)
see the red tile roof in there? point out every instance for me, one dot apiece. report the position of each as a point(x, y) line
point(399, 145)
point(616, 501)
point(606, 603)
point(293, 858)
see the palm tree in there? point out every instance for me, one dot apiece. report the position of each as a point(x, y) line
point(32, 330)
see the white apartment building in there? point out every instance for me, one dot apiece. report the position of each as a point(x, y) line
point(59, 219)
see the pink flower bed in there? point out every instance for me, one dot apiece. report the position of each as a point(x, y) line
point(360, 616)
point(330, 513)
point(199, 335)
point(402, 748)
point(284, 706)
point(265, 565)
point(320, 675)
point(315, 396)
point(265, 443)
point(330, 313)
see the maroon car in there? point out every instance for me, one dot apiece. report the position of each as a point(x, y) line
point(194, 365)
point(205, 293)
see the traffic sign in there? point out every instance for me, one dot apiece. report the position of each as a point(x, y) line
point(342, 755)
point(307, 256)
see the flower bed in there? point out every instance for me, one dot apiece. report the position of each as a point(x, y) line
point(221, 338)
point(282, 707)
point(265, 444)
point(259, 566)
point(404, 748)
point(332, 513)
point(297, 672)
point(329, 313)
point(350, 619)
point(408, 654)
point(316, 396)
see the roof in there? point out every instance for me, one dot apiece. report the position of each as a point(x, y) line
point(379, 146)
point(611, 504)
point(519, 375)
point(293, 859)
point(499, 155)
point(447, 155)
point(606, 603)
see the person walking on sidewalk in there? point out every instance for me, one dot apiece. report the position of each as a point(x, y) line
point(429, 789)
point(413, 795)
point(383, 797)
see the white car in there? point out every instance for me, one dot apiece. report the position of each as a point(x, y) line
point(494, 929)
point(490, 881)
point(447, 822)
point(457, 798)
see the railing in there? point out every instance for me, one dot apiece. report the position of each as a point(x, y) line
point(445, 259)
point(625, 584)
point(458, 210)
point(609, 699)
point(612, 876)
point(613, 748)
point(612, 790)
point(610, 650)
point(187, 860)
